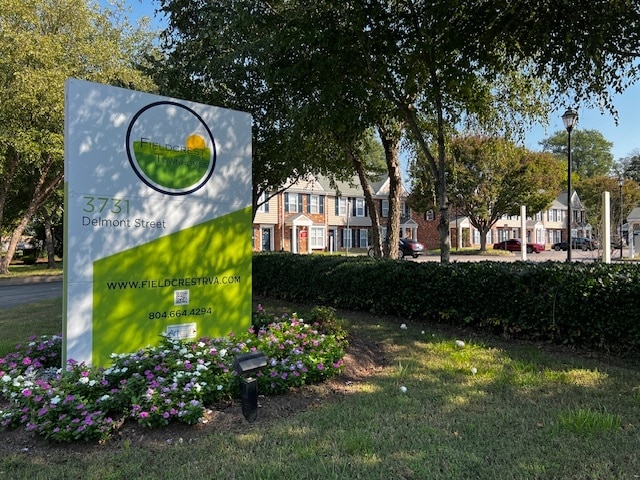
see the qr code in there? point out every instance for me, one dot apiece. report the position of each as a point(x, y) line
point(181, 297)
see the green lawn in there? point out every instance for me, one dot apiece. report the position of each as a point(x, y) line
point(488, 409)
point(40, 268)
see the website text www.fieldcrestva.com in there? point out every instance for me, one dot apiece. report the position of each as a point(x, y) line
point(173, 282)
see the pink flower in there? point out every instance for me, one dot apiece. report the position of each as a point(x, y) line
point(320, 366)
point(144, 414)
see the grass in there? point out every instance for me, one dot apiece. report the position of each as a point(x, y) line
point(40, 268)
point(19, 323)
point(526, 412)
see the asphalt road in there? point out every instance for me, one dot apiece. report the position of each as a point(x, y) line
point(13, 295)
point(548, 255)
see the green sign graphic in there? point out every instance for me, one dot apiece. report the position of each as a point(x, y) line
point(197, 278)
point(174, 168)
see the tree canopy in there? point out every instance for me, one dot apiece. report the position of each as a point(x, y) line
point(590, 151)
point(590, 191)
point(490, 177)
point(311, 70)
point(42, 43)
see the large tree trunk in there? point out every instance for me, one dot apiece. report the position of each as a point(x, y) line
point(43, 188)
point(368, 198)
point(437, 163)
point(390, 135)
point(48, 237)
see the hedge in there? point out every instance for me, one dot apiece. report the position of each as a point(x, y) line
point(591, 305)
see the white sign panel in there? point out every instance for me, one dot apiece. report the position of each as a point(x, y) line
point(157, 220)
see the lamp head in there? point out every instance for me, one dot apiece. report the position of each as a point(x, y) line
point(570, 118)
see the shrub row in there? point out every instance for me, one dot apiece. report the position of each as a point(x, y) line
point(591, 305)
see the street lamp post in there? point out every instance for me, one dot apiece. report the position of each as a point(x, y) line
point(569, 118)
point(620, 184)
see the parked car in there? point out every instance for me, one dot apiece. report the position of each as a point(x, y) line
point(515, 245)
point(406, 247)
point(578, 243)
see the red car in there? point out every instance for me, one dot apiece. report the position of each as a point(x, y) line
point(515, 245)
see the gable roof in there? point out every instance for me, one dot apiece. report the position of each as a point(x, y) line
point(352, 188)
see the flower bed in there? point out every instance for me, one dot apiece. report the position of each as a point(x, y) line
point(174, 381)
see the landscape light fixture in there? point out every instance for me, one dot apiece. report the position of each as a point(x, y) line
point(570, 118)
point(246, 365)
point(621, 184)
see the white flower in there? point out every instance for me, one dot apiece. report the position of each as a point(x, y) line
point(83, 380)
point(6, 378)
point(220, 387)
point(403, 326)
point(55, 400)
point(474, 370)
point(403, 389)
point(459, 343)
point(422, 332)
point(104, 397)
point(223, 352)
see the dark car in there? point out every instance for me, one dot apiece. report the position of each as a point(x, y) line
point(578, 243)
point(515, 245)
point(406, 247)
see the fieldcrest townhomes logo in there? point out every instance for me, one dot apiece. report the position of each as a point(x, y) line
point(171, 148)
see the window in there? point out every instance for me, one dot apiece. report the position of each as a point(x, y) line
point(384, 208)
point(359, 210)
point(315, 204)
point(292, 202)
point(263, 202)
point(404, 208)
point(317, 237)
point(364, 238)
point(429, 215)
point(341, 206)
point(346, 237)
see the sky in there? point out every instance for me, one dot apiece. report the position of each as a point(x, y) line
point(625, 136)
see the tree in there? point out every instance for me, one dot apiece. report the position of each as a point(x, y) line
point(42, 43)
point(629, 167)
point(490, 177)
point(426, 65)
point(591, 196)
point(441, 63)
point(295, 67)
point(590, 151)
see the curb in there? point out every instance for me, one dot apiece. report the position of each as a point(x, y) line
point(10, 281)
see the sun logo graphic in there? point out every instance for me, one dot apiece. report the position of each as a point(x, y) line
point(171, 148)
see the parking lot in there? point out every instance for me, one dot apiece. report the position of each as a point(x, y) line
point(548, 255)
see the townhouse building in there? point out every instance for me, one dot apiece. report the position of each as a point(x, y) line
point(547, 227)
point(316, 215)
